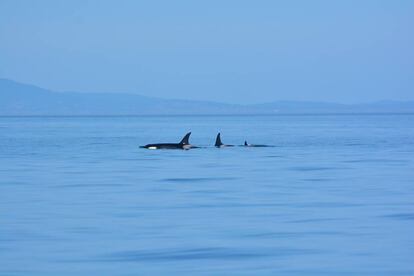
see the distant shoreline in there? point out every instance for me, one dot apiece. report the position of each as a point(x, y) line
point(22, 100)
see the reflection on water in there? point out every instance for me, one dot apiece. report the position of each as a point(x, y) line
point(335, 196)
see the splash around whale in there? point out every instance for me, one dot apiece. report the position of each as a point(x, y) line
point(184, 144)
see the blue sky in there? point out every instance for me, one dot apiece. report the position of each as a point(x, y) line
point(230, 51)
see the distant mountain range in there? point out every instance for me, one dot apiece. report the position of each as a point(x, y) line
point(17, 99)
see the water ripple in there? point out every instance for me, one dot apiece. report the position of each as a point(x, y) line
point(401, 216)
point(204, 253)
point(378, 160)
point(197, 179)
point(313, 168)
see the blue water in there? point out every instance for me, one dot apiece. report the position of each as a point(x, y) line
point(335, 196)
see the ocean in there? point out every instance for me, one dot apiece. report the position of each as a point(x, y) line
point(334, 196)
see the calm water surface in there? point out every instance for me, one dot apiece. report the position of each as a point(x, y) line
point(335, 196)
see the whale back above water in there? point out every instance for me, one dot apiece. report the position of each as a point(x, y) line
point(220, 144)
point(185, 140)
point(255, 146)
point(218, 141)
point(183, 144)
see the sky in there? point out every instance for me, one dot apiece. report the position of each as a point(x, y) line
point(228, 51)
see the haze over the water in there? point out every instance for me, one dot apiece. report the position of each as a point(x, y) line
point(228, 51)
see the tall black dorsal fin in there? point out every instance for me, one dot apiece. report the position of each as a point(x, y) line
point(245, 143)
point(185, 139)
point(218, 141)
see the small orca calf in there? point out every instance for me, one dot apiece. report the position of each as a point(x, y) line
point(184, 144)
point(254, 146)
point(219, 144)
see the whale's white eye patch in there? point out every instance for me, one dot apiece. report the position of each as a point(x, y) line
point(152, 147)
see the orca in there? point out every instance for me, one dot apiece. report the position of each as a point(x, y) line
point(219, 144)
point(253, 145)
point(184, 144)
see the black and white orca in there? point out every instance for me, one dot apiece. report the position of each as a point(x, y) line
point(254, 146)
point(219, 144)
point(184, 144)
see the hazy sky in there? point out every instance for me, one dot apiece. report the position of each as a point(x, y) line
point(231, 51)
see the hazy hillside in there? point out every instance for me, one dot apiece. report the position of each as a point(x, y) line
point(22, 99)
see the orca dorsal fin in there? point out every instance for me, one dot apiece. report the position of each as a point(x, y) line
point(218, 141)
point(185, 139)
point(245, 143)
